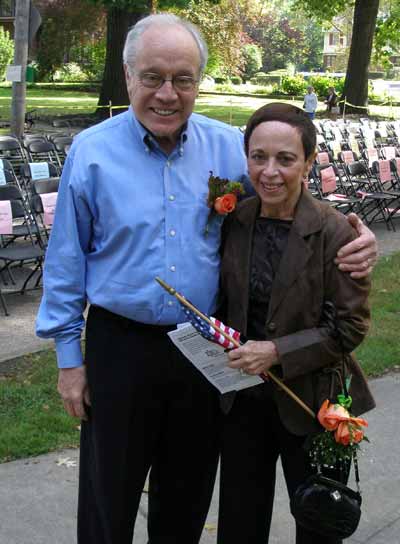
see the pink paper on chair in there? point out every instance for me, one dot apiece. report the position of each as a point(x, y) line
point(398, 166)
point(384, 171)
point(49, 201)
point(372, 155)
point(390, 152)
point(328, 180)
point(5, 217)
point(348, 156)
point(323, 158)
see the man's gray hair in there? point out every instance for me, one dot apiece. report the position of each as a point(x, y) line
point(132, 42)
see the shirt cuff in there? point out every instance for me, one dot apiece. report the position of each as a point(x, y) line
point(69, 354)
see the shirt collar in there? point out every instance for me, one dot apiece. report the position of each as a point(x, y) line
point(150, 143)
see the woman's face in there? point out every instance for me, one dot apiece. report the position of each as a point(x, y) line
point(277, 167)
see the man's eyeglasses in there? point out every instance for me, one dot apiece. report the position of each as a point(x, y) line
point(155, 81)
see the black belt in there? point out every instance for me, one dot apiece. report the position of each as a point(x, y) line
point(99, 311)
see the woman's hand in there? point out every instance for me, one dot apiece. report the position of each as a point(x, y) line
point(254, 357)
point(359, 256)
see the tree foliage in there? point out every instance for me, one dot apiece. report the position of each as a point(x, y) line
point(68, 26)
point(286, 37)
point(6, 51)
point(364, 21)
point(252, 55)
point(221, 26)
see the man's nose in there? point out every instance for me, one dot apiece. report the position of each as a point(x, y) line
point(167, 90)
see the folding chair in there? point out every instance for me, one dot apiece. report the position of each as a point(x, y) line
point(29, 252)
point(330, 187)
point(43, 152)
point(44, 207)
point(375, 202)
point(62, 145)
point(11, 149)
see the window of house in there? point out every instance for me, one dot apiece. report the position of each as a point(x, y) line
point(7, 8)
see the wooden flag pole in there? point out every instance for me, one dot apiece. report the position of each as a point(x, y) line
point(267, 374)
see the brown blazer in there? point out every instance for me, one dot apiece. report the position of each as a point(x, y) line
point(307, 277)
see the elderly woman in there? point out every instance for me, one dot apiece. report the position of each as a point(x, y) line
point(277, 271)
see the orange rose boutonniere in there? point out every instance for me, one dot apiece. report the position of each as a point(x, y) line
point(222, 196)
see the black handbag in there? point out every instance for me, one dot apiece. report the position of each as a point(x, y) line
point(327, 507)
point(323, 505)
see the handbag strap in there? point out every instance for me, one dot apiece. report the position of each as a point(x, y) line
point(338, 335)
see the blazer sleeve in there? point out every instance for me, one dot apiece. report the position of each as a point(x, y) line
point(307, 350)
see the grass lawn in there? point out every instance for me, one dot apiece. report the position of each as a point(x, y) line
point(234, 110)
point(32, 418)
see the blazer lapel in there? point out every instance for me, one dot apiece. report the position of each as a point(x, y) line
point(246, 216)
point(297, 253)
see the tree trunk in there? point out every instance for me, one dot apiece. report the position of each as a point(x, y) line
point(356, 83)
point(113, 87)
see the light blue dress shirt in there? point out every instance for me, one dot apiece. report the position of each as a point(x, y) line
point(126, 213)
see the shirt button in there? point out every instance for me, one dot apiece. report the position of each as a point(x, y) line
point(271, 327)
point(172, 232)
point(171, 197)
point(168, 163)
point(170, 303)
point(172, 268)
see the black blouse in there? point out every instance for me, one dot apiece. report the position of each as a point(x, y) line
point(269, 242)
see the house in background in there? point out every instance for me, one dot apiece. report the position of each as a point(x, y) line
point(337, 39)
point(7, 15)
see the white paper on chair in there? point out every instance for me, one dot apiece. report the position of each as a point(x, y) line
point(211, 360)
point(5, 217)
point(39, 170)
point(49, 201)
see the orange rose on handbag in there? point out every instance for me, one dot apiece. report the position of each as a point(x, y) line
point(343, 433)
point(225, 204)
point(330, 415)
point(347, 433)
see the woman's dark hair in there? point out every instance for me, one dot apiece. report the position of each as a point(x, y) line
point(285, 113)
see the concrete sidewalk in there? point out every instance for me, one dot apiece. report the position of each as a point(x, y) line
point(38, 495)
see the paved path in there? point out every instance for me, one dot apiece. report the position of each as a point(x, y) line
point(38, 495)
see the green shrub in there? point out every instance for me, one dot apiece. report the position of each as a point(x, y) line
point(70, 72)
point(236, 80)
point(321, 83)
point(294, 85)
point(376, 75)
point(225, 87)
point(6, 51)
point(220, 79)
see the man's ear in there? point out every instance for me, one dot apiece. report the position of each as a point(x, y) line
point(126, 72)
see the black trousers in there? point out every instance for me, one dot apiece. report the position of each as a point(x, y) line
point(149, 408)
point(253, 438)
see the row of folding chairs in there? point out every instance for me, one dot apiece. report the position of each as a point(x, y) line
point(373, 193)
point(36, 148)
point(26, 218)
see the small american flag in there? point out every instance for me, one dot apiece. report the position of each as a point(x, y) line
point(208, 332)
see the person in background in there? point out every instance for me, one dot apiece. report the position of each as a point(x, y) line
point(331, 101)
point(277, 273)
point(132, 205)
point(310, 102)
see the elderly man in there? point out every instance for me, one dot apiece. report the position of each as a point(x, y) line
point(132, 206)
